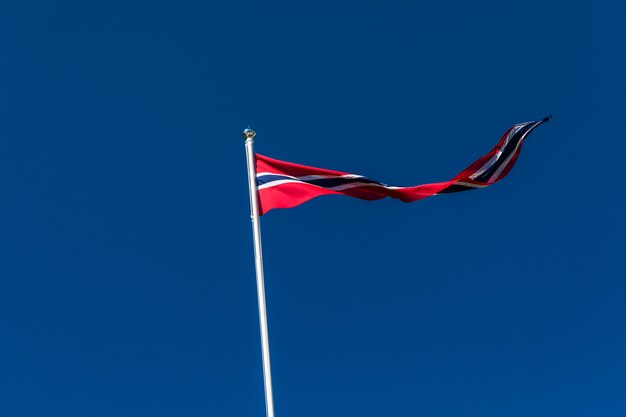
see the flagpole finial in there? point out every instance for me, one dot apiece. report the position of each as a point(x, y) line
point(248, 133)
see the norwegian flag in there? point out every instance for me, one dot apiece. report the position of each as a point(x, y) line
point(283, 184)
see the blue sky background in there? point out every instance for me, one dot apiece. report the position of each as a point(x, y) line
point(126, 267)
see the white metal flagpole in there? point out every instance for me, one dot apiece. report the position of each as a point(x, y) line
point(249, 135)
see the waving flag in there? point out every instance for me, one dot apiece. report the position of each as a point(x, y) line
point(283, 184)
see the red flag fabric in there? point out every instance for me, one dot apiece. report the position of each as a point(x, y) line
point(283, 184)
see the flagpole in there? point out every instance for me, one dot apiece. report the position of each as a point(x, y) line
point(249, 135)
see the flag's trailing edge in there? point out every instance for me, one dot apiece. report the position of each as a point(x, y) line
point(283, 184)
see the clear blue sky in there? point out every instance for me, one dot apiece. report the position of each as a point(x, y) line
point(126, 267)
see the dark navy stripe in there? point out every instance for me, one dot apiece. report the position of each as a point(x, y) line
point(264, 179)
point(335, 182)
point(455, 188)
point(321, 182)
point(508, 150)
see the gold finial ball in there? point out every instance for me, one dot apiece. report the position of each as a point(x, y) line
point(248, 134)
